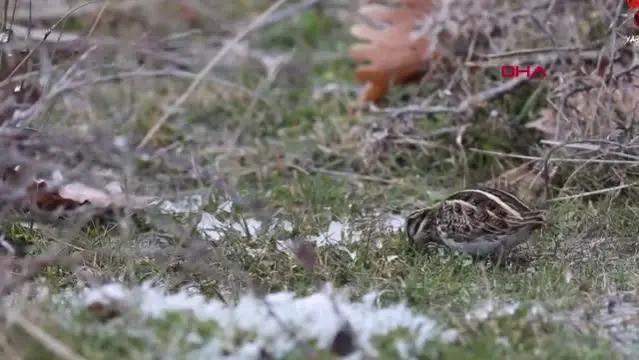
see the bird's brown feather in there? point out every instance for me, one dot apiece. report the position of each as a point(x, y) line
point(478, 214)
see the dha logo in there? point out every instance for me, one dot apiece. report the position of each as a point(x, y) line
point(633, 39)
point(633, 5)
point(513, 71)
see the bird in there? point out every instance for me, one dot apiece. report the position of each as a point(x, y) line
point(479, 221)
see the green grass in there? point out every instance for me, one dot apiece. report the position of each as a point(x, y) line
point(313, 162)
point(442, 285)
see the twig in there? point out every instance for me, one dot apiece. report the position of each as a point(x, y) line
point(588, 147)
point(565, 160)
point(492, 93)
point(49, 342)
point(534, 51)
point(466, 105)
point(310, 353)
point(284, 14)
point(613, 36)
point(594, 192)
point(416, 109)
point(203, 73)
point(44, 38)
point(351, 175)
point(27, 33)
point(98, 17)
point(72, 86)
point(57, 9)
point(541, 57)
point(545, 172)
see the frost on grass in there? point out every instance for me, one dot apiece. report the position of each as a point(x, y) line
point(215, 227)
point(614, 320)
point(276, 325)
point(492, 308)
point(280, 325)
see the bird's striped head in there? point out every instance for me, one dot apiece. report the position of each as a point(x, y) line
point(419, 225)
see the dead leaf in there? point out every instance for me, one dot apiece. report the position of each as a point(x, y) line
point(526, 181)
point(74, 195)
point(111, 196)
point(49, 200)
point(393, 53)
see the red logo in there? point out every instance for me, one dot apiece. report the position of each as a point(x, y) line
point(634, 4)
point(513, 71)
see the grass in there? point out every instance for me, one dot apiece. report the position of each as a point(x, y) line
point(442, 285)
point(311, 162)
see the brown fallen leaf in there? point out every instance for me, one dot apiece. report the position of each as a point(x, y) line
point(394, 54)
point(73, 195)
point(526, 181)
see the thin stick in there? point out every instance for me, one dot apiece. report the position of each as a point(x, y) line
point(564, 160)
point(203, 73)
point(98, 17)
point(44, 38)
point(534, 51)
point(594, 192)
point(467, 105)
point(49, 342)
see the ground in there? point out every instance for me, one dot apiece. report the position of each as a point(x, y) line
point(334, 185)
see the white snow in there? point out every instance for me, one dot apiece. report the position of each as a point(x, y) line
point(338, 233)
point(309, 318)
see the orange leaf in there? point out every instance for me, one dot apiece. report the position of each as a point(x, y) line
point(393, 54)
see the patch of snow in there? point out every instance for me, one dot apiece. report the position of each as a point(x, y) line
point(338, 233)
point(309, 318)
point(616, 319)
point(107, 294)
point(394, 222)
point(211, 227)
point(188, 204)
point(494, 308)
